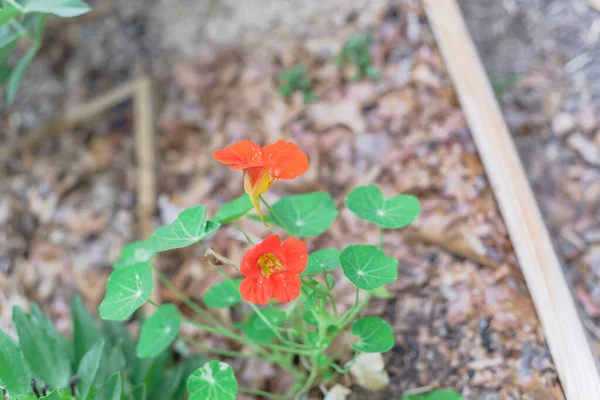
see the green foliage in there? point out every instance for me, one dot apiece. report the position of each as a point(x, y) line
point(190, 226)
point(223, 294)
point(304, 215)
point(135, 252)
point(374, 334)
point(26, 19)
point(356, 52)
point(256, 328)
point(321, 261)
point(447, 394)
point(294, 80)
point(108, 368)
point(368, 203)
point(214, 380)
point(126, 290)
point(367, 267)
point(158, 331)
point(233, 210)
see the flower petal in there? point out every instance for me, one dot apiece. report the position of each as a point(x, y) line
point(249, 266)
point(286, 286)
point(257, 290)
point(294, 255)
point(241, 155)
point(285, 160)
point(257, 180)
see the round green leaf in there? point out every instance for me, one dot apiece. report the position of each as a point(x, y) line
point(256, 329)
point(368, 203)
point(158, 331)
point(14, 370)
point(126, 290)
point(135, 252)
point(375, 335)
point(233, 210)
point(212, 381)
point(367, 267)
point(223, 294)
point(306, 214)
point(189, 227)
point(322, 261)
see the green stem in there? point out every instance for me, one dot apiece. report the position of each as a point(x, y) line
point(221, 352)
point(381, 238)
point(310, 380)
point(354, 310)
point(16, 5)
point(276, 216)
point(187, 301)
point(261, 393)
point(330, 296)
point(248, 238)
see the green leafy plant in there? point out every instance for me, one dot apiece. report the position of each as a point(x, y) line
point(355, 52)
point(294, 80)
point(24, 21)
point(100, 362)
point(447, 394)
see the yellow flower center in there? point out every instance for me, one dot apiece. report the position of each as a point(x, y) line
point(269, 264)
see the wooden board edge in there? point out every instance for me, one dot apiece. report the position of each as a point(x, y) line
point(567, 340)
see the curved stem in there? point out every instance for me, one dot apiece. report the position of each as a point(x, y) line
point(276, 216)
point(261, 393)
point(310, 380)
point(248, 238)
point(221, 352)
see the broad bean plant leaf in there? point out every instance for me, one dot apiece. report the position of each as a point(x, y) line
point(367, 266)
point(323, 260)
point(223, 294)
point(305, 215)
point(445, 394)
point(368, 203)
point(126, 290)
point(233, 210)
point(374, 334)
point(189, 227)
point(61, 8)
point(85, 330)
point(88, 369)
point(42, 349)
point(135, 252)
point(16, 75)
point(14, 370)
point(53, 395)
point(159, 331)
point(215, 380)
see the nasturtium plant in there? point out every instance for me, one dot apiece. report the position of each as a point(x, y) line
point(233, 210)
point(322, 261)
point(368, 203)
point(305, 215)
point(135, 252)
point(257, 329)
point(190, 227)
point(158, 331)
point(126, 290)
point(223, 294)
point(367, 266)
point(374, 334)
point(214, 380)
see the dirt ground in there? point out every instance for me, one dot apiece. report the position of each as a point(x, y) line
point(461, 313)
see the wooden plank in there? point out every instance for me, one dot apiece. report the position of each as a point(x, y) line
point(575, 363)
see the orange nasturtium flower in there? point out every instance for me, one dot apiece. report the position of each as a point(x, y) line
point(262, 165)
point(271, 269)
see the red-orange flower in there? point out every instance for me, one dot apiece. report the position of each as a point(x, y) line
point(271, 269)
point(262, 165)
